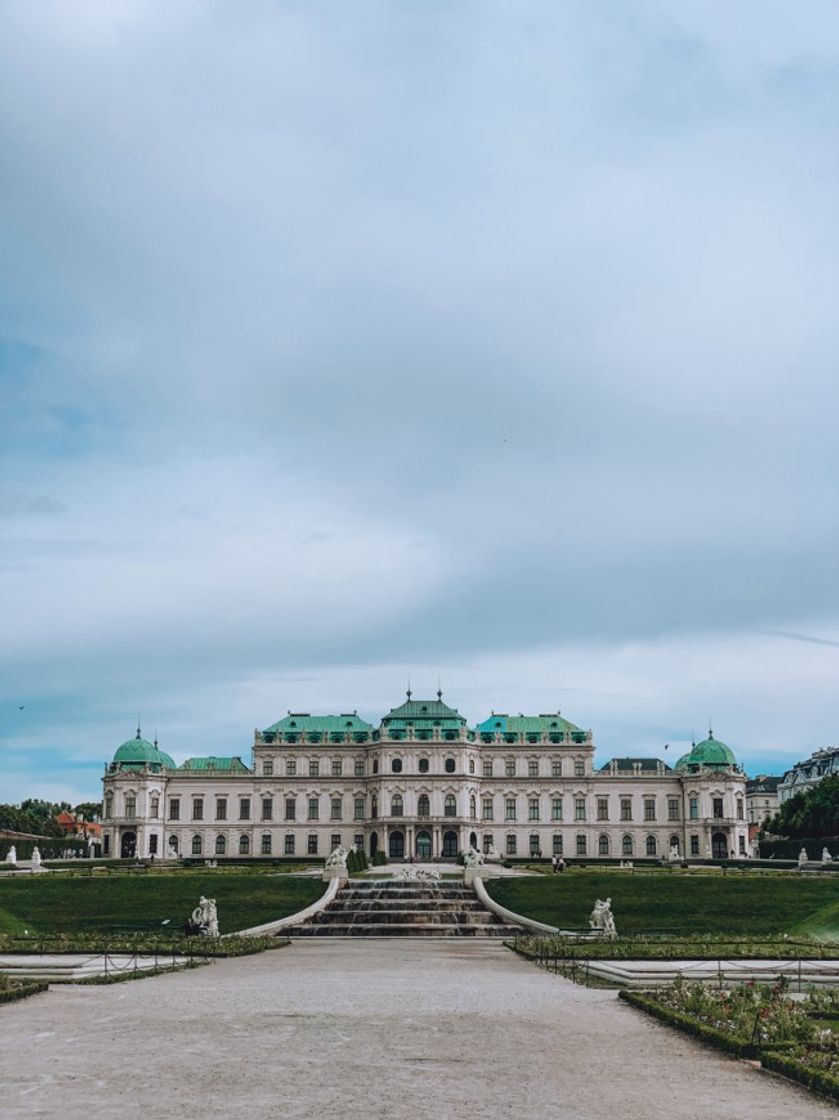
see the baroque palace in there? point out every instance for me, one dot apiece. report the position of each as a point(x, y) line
point(423, 785)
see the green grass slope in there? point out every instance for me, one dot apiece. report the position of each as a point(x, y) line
point(693, 904)
point(52, 904)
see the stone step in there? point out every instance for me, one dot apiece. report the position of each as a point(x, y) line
point(403, 930)
point(419, 904)
point(395, 917)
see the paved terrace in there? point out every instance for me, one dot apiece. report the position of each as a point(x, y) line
point(369, 1029)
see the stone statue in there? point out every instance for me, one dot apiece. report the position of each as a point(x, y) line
point(11, 856)
point(674, 853)
point(826, 856)
point(802, 857)
point(36, 861)
point(493, 855)
point(205, 916)
point(337, 857)
point(709, 854)
point(602, 920)
point(173, 847)
point(473, 858)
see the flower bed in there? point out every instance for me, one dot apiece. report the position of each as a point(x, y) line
point(145, 943)
point(696, 948)
point(751, 1021)
point(11, 990)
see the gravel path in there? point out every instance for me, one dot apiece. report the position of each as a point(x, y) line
point(366, 1029)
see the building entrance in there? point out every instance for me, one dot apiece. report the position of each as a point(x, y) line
point(450, 844)
point(423, 845)
point(396, 845)
point(128, 847)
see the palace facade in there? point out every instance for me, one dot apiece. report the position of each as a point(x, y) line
point(423, 785)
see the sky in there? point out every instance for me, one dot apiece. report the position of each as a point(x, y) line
point(490, 343)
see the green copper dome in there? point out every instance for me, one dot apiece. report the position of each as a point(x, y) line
point(710, 753)
point(138, 752)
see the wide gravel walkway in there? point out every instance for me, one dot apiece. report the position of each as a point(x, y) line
point(384, 1028)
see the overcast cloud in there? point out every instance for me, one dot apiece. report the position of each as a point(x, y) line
point(342, 342)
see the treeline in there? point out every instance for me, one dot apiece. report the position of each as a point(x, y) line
point(37, 816)
point(813, 814)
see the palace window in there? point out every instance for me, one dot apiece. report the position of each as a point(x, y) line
point(221, 808)
point(198, 808)
point(334, 841)
point(314, 809)
point(109, 806)
point(510, 809)
point(359, 768)
point(649, 808)
point(739, 809)
point(533, 808)
point(510, 767)
point(487, 767)
point(423, 806)
point(265, 844)
point(375, 766)
point(291, 768)
point(579, 808)
point(314, 767)
point(312, 844)
point(487, 808)
point(556, 808)
point(533, 768)
point(718, 809)
point(603, 845)
point(511, 843)
point(336, 812)
point(358, 841)
point(358, 809)
point(579, 768)
point(672, 808)
point(448, 765)
point(337, 767)
point(694, 844)
point(197, 845)
point(626, 846)
point(155, 807)
point(603, 808)
point(244, 845)
point(487, 843)
point(556, 843)
point(288, 844)
point(626, 808)
point(374, 807)
point(652, 847)
point(130, 805)
point(473, 807)
point(244, 808)
point(290, 808)
point(556, 767)
point(153, 844)
point(106, 845)
point(267, 808)
point(471, 766)
point(396, 807)
point(581, 844)
point(268, 767)
point(396, 765)
point(535, 850)
point(221, 846)
point(693, 808)
point(449, 805)
point(173, 844)
point(422, 766)
point(741, 840)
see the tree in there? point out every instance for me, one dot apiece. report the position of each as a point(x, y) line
point(90, 810)
point(811, 815)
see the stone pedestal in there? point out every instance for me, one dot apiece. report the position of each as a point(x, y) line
point(330, 873)
point(470, 874)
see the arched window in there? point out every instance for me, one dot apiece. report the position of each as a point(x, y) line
point(423, 806)
point(511, 843)
point(603, 845)
point(448, 765)
point(244, 845)
point(374, 807)
point(109, 805)
point(396, 809)
point(581, 844)
point(471, 766)
point(651, 846)
point(674, 843)
point(557, 843)
point(626, 846)
point(396, 765)
point(221, 845)
point(473, 808)
point(197, 845)
point(423, 766)
point(266, 843)
point(173, 845)
point(449, 805)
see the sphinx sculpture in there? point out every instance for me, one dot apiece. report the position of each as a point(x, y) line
point(11, 856)
point(337, 857)
point(602, 920)
point(205, 917)
point(473, 858)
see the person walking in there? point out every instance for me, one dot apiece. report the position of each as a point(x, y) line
point(553, 864)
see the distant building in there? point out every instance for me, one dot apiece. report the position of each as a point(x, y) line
point(804, 775)
point(72, 825)
point(761, 798)
point(423, 785)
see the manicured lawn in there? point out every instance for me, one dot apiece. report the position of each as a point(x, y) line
point(53, 904)
point(694, 904)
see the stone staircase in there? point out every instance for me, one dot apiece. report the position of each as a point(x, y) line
point(396, 908)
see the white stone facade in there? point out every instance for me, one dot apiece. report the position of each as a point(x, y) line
point(424, 793)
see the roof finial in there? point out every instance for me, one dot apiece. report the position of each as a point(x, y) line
point(155, 738)
point(710, 728)
point(439, 689)
point(139, 734)
point(409, 687)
